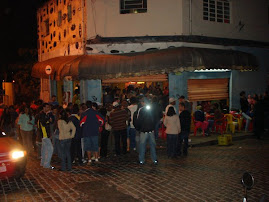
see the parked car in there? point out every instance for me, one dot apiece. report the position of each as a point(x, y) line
point(13, 157)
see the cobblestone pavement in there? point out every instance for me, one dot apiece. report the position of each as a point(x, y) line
point(210, 173)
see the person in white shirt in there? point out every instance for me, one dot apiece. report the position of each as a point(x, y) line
point(67, 131)
point(173, 128)
point(131, 130)
point(172, 103)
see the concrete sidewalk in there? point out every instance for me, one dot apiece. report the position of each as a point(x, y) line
point(199, 140)
point(212, 139)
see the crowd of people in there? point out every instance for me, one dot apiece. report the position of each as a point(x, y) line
point(125, 122)
point(87, 132)
point(255, 108)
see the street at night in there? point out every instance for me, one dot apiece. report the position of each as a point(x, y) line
point(211, 173)
point(134, 100)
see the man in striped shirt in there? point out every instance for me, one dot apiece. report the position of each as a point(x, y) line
point(118, 120)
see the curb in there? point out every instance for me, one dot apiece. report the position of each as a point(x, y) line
point(215, 142)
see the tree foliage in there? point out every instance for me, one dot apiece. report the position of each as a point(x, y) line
point(26, 87)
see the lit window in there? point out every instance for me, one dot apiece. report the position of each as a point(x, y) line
point(69, 13)
point(216, 11)
point(133, 6)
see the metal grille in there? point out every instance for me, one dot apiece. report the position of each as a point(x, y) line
point(216, 10)
point(133, 6)
point(4, 157)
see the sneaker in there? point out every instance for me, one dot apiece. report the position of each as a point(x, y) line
point(93, 158)
point(84, 161)
point(96, 160)
point(52, 167)
point(141, 163)
point(89, 162)
point(134, 149)
point(155, 162)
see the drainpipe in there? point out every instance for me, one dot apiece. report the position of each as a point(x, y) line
point(190, 18)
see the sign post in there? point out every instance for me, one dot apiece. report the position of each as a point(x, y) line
point(48, 71)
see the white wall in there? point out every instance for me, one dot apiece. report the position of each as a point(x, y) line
point(171, 17)
point(253, 13)
point(163, 17)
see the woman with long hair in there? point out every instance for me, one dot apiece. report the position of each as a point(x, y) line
point(26, 122)
point(173, 128)
point(67, 131)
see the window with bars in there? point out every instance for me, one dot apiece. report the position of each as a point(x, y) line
point(217, 11)
point(133, 6)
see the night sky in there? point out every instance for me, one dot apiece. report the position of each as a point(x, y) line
point(18, 28)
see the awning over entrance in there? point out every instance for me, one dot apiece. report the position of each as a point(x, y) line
point(144, 63)
point(149, 78)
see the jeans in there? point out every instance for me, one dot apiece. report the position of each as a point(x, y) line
point(111, 143)
point(120, 136)
point(65, 146)
point(76, 151)
point(137, 140)
point(82, 148)
point(156, 131)
point(104, 142)
point(56, 145)
point(183, 136)
point(46, 152)
point(132, 134)
point(144, 137)
point(248, 120)
point(210, 124)
point(171, 145)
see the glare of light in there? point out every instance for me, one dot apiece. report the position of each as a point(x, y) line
point(17, 154)
point(4, 134)
point(148, 107)
point(13, 81)
point(140, 82)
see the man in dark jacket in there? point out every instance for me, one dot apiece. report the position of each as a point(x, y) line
point(159, 113)
point(258, 118)
point(145, 120)
point(243, 102)
point(76, 151)
point(91, 121)
point(185, 123)
point(45, 118)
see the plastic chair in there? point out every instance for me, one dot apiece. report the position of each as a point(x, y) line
point(220, 124)
point(231, 123)
point(239, 119)
point(197, 124)
point(163, 133)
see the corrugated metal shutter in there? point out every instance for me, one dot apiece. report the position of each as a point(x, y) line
point(208, 89)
